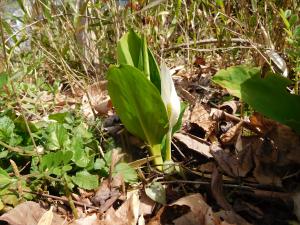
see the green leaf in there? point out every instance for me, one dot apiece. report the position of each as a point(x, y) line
point(59, 117)
point(156, 192)
point(3, 79)
point(131, 50)
point(86, 180)
point(177, 126)
point(7, 134)
point(81, 131)
point(128, 173)
point(80, 157)
point(57, 137)
point(4, 178)
point(270, 97)
point(99, 164)
point(233, 77)
point(53, 160)
point(138, 103)
point(267, 96)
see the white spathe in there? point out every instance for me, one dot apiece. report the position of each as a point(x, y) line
point(169, 95)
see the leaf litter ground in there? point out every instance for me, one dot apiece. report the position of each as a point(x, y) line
point(232, 170)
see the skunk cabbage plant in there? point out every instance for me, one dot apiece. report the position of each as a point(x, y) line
point(144, 96)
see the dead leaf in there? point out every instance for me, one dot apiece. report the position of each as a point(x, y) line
point(232, 217)
point(146, 204)
point(200, 212)
point(191, 210)
point(235, 165)
point(232, 134)
point(193, 144)
point(275, 151)
point(30, 213)
point(102, 194)
point(217, 189)
point(229, 107)
point(88, 220)
point(201, 117)
point(126, 214)
point(96, 99)
point(296, 199)
point(47, 218)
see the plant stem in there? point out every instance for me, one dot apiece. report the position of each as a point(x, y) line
point(70, 200)
point(168, 145)
point(156, 152)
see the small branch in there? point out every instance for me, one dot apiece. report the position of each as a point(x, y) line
point(210, 41)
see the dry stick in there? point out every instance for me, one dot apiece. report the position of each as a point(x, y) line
point(211, 41)
point(13, 149)
point(62, 199)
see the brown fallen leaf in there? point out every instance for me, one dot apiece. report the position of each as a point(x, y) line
point(201, 117)
point(46, 218)
point(191, 210)
point(217, 189)
point(232, 134)
point(193, 144)
point(29, 213)
point(235, 165)
point(229, 107)
point(88, 220)
point(232, 218)
point(96, 99)
point(126, 214)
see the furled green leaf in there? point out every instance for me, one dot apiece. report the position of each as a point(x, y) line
point(233, 77)
point(131, 51)
point(86, 180)
point(138, 103)
point(128, 49)
point(128, 173)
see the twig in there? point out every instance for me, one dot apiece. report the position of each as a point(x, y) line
point(211, 41)
point(62, 199)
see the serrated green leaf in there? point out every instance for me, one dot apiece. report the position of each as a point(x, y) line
point(80, 157)
point(57, 137)
point(53, 160)
point(99, 164)
point(7, 133)
point(86, 180)
point(129, 174)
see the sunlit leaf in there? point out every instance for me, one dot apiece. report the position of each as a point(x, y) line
point(86, 180)
point(138, 103)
